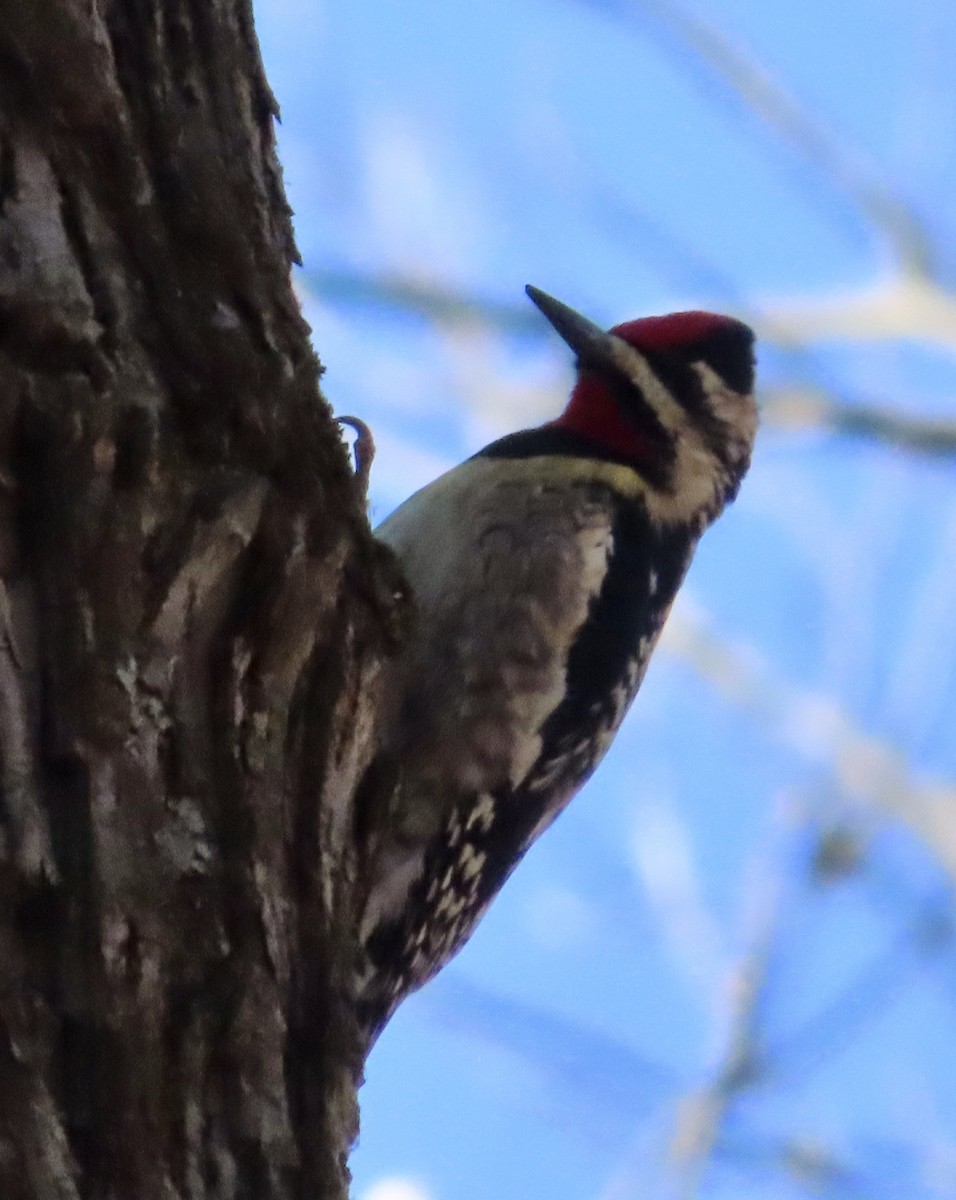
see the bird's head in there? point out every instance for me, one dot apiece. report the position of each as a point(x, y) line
point(671, 396)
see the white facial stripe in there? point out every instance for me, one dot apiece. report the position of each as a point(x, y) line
point(738, 412)
point(633, 365)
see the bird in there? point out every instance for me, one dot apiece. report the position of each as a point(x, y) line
point(542, 570)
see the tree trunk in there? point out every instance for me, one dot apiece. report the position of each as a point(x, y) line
point(193, 614)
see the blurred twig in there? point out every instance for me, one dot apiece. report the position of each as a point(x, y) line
point(598, 1078)
point(702, 1113)
point(432, 301)
point(806, 408)
point(811, 1164)
point(714, 58)
point(913, 302)
point(875, 987)
point(800, 407)
point(866, 770)
point(904, 306)
point(753, 1060)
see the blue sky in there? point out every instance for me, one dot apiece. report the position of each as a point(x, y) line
point(729, 969)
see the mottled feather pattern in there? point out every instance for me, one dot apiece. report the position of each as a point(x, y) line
point(607, 662)
point(471, 696)
point(543, 570)
point(571, 638)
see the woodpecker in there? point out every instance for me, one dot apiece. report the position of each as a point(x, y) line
point(542, 570)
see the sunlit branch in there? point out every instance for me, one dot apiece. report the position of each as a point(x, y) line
point(904, 306)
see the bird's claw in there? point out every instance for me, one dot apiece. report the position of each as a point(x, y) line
point(363, 449)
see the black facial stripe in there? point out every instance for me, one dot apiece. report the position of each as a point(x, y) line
point(488, 834)
point(645, 571)
point(729, 352)
point(553, 440)
point(685, 385)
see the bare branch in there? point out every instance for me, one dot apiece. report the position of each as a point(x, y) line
point(903, 306)
point(866, 771)
point(701, 1114)
point(799, 408)
point(433, 302)
point(713, 58)
point(870, 993)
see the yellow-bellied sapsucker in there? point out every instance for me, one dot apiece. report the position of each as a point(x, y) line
point(542, 569)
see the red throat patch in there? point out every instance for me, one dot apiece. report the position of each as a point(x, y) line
point(593, 413)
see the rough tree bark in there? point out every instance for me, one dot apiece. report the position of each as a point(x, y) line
point(192, 614)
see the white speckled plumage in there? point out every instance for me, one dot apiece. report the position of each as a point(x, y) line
point(505, 569)
point(542, 571)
